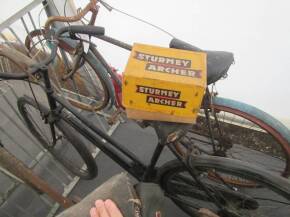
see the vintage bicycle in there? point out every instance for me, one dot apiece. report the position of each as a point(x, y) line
point(224, 126)
point(77, 72)
point(191, 181)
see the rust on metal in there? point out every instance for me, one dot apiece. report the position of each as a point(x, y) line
point(90, 7)
point(17, 168)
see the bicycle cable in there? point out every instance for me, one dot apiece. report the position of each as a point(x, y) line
point(111, 8)
point(34, 96)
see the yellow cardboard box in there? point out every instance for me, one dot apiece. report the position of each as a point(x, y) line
point(164, 84)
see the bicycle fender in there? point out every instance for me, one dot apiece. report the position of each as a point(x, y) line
point(259, 114)
point(103, 73)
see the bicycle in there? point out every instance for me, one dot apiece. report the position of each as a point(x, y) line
point(225, 126)
point(79, 75)
point(191, 181)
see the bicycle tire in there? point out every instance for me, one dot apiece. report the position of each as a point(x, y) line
point(78, 83)
point(178, 188)
point(103, 76)
point(86, 86)
point(90, 170)
point(277, 138)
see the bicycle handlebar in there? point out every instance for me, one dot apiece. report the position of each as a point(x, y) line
point(34, 68)
point(79, 29)
point(88, 30)
point(89, 7)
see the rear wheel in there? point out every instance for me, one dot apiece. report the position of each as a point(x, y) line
point(244, 136)
point(270, 197)
point(68, 148)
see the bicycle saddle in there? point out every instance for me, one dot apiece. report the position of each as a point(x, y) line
point(218, 62)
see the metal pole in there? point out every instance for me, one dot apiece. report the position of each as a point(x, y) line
point(17, 168)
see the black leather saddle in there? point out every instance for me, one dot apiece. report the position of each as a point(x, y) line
point(218, 62)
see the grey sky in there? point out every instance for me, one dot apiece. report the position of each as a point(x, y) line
point(256, 31)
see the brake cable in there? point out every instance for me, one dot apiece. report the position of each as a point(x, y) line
point(110, 8)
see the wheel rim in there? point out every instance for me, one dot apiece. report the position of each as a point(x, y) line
point(280, 145)
point(84, 89)
point(257, 203)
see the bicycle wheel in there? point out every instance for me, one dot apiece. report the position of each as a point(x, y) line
point(270, 197)
point(68, 149)
point(89, 87)
point(86, 85)
point(250, 135)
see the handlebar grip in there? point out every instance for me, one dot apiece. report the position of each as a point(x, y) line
point(79, 29)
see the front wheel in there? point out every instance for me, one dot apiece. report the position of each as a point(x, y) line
point(83, 80)
point(66, 146)
point(270, 197)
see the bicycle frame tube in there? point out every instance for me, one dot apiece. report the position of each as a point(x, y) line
point(112, 148)
point(116, 151)
point(133, 165)
point(115, 42)
point(150, 169)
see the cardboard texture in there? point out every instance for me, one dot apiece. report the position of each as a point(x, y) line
point(164, 84)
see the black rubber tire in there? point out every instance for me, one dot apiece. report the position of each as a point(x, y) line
point(275, 183)
point(104, 78)
point(72, 137)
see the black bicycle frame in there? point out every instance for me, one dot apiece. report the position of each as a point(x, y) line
point(116, 151)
